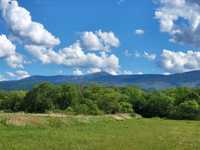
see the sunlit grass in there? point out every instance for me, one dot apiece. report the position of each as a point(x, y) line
point(96, 133)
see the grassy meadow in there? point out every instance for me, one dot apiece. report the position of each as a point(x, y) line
point(112, 132)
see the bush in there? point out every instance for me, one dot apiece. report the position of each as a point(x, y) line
point(125, 107)
point(109, 106)
point(155, 104)
point(188, 110)
point(81, 109)
point(40, 99)
point(13, 101)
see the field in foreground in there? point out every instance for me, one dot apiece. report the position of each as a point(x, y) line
point(119, 132)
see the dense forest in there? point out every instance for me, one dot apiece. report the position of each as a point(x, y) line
point(176, 103)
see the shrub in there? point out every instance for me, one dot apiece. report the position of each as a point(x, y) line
point(155, 104)
point(13, 101)
point(125, 107)
point(40, 99)
point(188, 110)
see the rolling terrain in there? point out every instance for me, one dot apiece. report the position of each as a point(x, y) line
point(146, 81)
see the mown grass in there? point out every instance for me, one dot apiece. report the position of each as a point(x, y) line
point(26, 132)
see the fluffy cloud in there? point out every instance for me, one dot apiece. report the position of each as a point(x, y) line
point(99, 41)
point(6, 47)
point(8, 52)
point(139, 32)
point(175, 62)
point(77, 72)
point(20, 22)
point(19, 74)
point(145, 55)
point(181, 19)
point(41, 43)
point(93, 70)
point(74, 56)
point(15, 61)
point(127, 53)
point(166, 73)
point(139, 73)
point(127, 72)
point(149, 56)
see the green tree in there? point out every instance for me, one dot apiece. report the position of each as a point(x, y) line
point(13, 101)
point(188, 110)
point(155, 104)
point(41, 98)
point(109, 102)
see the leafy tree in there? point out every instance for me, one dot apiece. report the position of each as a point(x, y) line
point(155, 104)
point(63, 100)
point(109, 102)
point(182, 94)
point(12, 101)
point(40, 99)
point(176, 103)
point(188, 110)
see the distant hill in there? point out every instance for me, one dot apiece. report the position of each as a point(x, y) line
point(146, 81)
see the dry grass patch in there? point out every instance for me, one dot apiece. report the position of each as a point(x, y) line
point(20, 121)
point(121, 117)
point(25, 120)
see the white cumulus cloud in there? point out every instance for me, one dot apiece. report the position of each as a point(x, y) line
point(149, 56)
point(89, 52)
point(94, 70)
point(8, 52)
point(77, 72)
point(127, 72)
point(175, 62)
point(99, 41)
point(181, 19)
point(20, 22)
point(19, 74)
point(139, 32)
point(75, 56)
point(146, 55)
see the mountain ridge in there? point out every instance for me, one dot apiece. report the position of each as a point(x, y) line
point(145, 81)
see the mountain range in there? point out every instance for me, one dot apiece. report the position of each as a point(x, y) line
point(146, 81)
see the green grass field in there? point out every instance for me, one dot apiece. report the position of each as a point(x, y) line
point(31, 132)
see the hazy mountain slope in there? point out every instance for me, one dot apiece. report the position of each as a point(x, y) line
point(190, 79)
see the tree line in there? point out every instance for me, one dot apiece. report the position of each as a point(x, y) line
point(174, 103)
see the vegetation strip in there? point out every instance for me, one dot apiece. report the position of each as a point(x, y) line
point(175, 103)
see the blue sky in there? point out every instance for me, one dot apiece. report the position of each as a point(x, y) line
point(141, 52)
